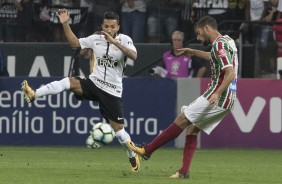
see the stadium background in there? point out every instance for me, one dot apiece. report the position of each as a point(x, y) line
point(150, 103)
point(253, 128)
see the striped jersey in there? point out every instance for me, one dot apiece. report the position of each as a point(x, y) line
point(223, 54)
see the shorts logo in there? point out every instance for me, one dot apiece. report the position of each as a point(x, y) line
point(119, 118)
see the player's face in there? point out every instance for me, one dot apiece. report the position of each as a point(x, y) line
point(110, 26)
point(202, 35)
point(177, 41)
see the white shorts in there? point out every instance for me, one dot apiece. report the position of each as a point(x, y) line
point(202, 115)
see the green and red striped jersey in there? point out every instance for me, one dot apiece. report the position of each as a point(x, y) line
point(223, 54)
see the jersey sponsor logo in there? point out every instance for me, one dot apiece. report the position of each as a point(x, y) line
point(233, 86)
point(107, 61)
point(221, 53)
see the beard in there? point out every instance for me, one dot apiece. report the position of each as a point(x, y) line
point(205, 42)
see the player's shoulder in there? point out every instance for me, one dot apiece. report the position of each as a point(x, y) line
point(120, 35)
point(223, 39)
point(123, 37)
point(92, 37)
point(96, 36)
point(167, 53)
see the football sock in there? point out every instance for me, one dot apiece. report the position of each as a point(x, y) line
point(167, 135)
point(53, 88)
point(188, 152)
point(123, 137)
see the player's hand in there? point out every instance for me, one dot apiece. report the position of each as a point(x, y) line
point(214, 100)
point(186, 52)
point(108, 37)
point(63, 15)
point(130, 3)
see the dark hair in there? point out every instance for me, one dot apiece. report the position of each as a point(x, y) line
point(206, 20)
point(111, 15)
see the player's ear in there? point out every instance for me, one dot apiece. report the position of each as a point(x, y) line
point(207, 28)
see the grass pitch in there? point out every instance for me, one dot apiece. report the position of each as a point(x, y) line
point(71, 165)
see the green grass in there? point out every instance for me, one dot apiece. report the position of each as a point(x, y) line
point(68, 165)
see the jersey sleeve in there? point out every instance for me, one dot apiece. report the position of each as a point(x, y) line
point(127, 42)
point(87, 42)
point(223, 54)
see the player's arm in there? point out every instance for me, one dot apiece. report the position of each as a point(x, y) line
point(64, 16)
point(194, 52)
point(229, 75)
point(127, 51)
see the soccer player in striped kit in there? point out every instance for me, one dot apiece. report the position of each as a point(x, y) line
point(206, 112)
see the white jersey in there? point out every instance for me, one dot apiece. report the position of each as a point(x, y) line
point(109, 62)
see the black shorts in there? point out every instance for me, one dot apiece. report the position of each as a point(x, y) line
point(111, 107)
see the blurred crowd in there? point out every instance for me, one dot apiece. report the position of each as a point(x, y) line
point(144, 20)
point(258, 22)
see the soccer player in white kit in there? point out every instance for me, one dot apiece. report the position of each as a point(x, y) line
point(206, 112)
point(104, 84)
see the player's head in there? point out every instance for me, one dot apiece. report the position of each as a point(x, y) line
point(177, 39)
point(111, 23)
point(204, 28)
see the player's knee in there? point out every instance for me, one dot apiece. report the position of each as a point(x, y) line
point(116, 126)
point(75, 86)
point(192, 130)
point(182, 121)
point(74, 82)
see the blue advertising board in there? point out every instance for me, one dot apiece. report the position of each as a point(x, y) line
point(149, 107)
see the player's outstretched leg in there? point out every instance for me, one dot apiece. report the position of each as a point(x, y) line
point(123, 137)
point(52, 88)
point(167, 135)
point(29, 93)
point(140, 150)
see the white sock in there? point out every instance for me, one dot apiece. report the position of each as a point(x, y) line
point(123, 137)
point(53, 88)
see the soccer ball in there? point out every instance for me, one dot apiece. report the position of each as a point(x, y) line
point(91, 144)
point(103, 133)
